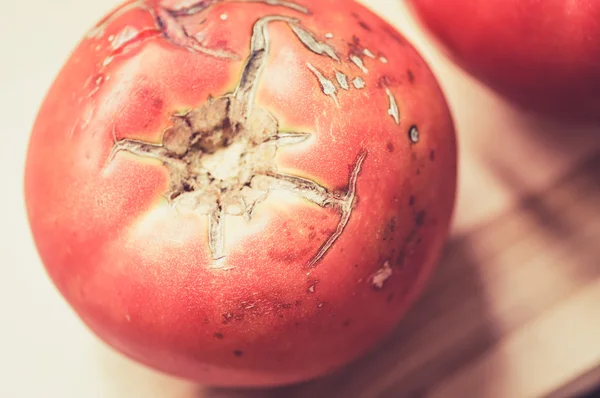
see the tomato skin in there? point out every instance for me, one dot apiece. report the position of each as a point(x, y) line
point(541, 55)
point(140, 273)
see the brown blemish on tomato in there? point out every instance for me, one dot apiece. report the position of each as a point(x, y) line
point(420, 218)
point(390, 228)
point(390, 147)
point(364, 25)
point(386, 81)
point(412, 238)
point(355, 46)
point(411, 200)
point(238, 353)
point(432, 155)
point(411, 76)
point(399, 262)
point(219, 336)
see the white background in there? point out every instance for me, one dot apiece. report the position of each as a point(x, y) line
point(45, 351)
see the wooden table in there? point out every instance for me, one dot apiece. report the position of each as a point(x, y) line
point(512, 312)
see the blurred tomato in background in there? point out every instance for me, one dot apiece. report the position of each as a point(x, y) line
point(541, 54)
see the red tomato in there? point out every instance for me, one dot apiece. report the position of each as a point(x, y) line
point(542, 54)
point(242, 193)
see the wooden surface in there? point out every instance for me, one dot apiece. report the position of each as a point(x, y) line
point(512, 312)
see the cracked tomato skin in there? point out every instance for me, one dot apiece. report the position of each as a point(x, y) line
point(141, 272)
point(541, 54)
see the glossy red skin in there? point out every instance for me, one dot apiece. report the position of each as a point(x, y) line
point(541, 54)
point(143, 284)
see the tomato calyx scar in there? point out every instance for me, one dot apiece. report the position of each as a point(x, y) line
point(220, 156)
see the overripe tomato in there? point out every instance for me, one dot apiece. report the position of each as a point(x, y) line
point(540, 54)
point(242, 193)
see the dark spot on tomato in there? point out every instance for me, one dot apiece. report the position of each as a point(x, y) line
point(432, 155)
point(390, 297)
point(390, 228)
point(390, 146)
point(219, 336)
point(418, 172)
point(400, 259)
point(411, 200)
point(347, 322)
point(157, 103)
point(419, 240)
point(312, 235)
point(411, 76)
point(392, 224)
point(238, 353)
point(311, 228)
point(355, 265)
point(364, 26)
point(386, 81)
point(281, 316)
point(420, 218)
point(355, 47)
point(296, 324)
point(206, 321)
point(298, 303)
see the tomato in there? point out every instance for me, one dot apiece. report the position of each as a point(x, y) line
point(541, 55)
point(242, 193)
